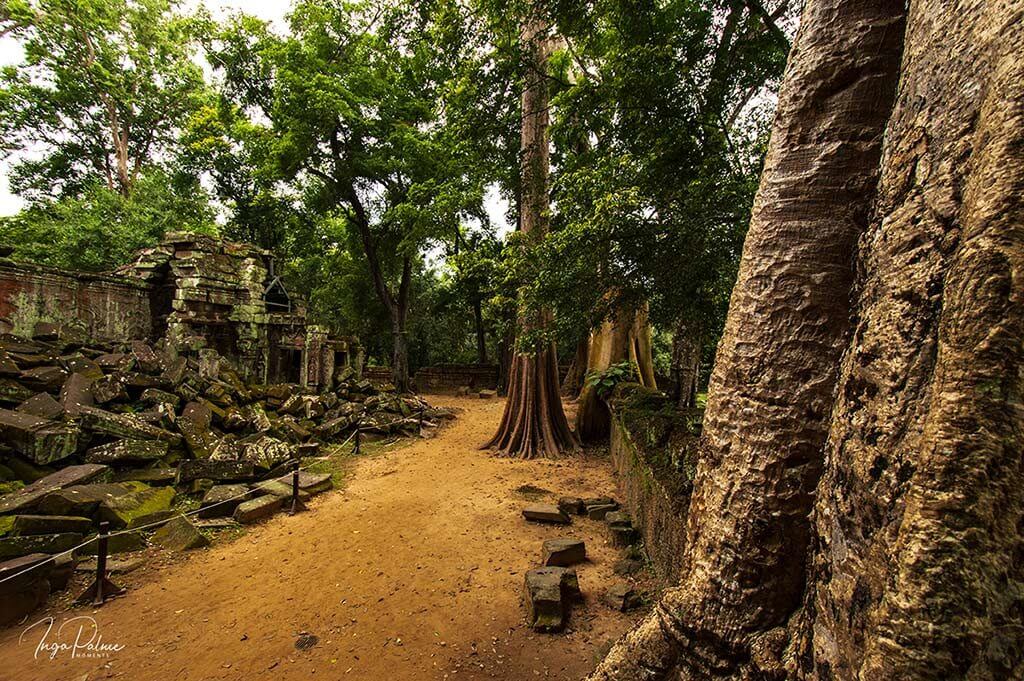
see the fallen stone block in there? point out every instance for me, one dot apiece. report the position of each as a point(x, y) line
point(282, 489)
point(110, 388)
point(63, 569)
point(45, 331)
point(155, 396)
point(599, 512)
point(232, 471)
point(545, 513)
point(118, 566)
point(39, 439)
point(155, 477)
point(76, 393)
point(15, 546)
point(487, 394)
point(312, 483)
point(266, 452)
point(194, 424)
point(123, 426)
point(24, 525)
point(146, 359)
point(29, 496)
point(571, 505)
point(82, 500)
point(623, 537)
point(257, 509)
point(180, 535)
point(21, 594)
point(12, 392)
point(549, 591)
point(127, 451)
point(78, 364)
point(138, 508)
point(621, 597)
point(618, 519)
point(563, 552)
point(47, 378)
point(222, 500)
point(42, 405)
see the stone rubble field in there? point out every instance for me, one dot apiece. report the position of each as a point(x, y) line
point(127, 434)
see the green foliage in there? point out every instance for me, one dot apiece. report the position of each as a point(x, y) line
point(605, 382)
point(99, 95)
point(101, 229)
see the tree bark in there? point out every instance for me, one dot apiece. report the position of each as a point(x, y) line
point(627, 337)
point(573, 383)
point(772, 388)
point(534, 422)
point(687, 346)
point(481, 335)
point(918, 569)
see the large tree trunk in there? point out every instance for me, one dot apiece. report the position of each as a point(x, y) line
point(627, 337)
point(919, 568)
point(573, 383)
point(534, 422)
point(772, 388)
point(400, 360)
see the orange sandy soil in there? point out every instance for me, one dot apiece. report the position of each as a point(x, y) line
point(413, 571)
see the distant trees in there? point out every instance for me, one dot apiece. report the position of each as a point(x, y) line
point(353, 100)
point(90, 122)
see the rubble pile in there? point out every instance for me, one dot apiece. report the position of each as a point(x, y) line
point(120, 432)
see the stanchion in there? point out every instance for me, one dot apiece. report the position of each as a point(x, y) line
point(359, 436)
point(101, 588)
point(297, 504)
point(419, 425)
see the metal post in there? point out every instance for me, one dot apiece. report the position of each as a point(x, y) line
point(419, 426)
point(102, 588)
point(296, 504)
point(359, 436)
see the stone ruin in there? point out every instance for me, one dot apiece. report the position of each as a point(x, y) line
point(191, 292)
point(188, 379)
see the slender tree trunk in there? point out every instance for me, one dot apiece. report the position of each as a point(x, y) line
point(687, 346)
point(400, 359)
point(534, 422)
point(505, 354)
point(772, 388)
point(481, 334)
point(574, 378)
point(919, 569)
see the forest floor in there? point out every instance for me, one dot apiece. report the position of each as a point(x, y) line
point(413, 570)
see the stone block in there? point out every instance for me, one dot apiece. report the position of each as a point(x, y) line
point(563, 552)
point(137, 508)
point(571, 505)
point(222, 500)
point(545, 513)
point(29, 496)
point(15, 546)
point(50, 524)
point(82, 500)
point(621, 597)
point(179, 534)
point(42, 405)
point(76, 393)
point(196, 469)
point(123, 426)
point(549, 592)
point(257, 509)
point(127, 451)
point(39, 439)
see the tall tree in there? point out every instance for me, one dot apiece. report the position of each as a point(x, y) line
point(776, 370)
point(100, 94)
point(534, 423)
point(355, 96)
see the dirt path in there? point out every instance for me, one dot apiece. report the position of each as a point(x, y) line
point(414, 571)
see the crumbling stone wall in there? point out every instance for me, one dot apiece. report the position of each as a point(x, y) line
point(653, 447)
point(450, 377)
point(100, 306)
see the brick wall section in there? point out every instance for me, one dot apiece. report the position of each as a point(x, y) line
point(107, 308)
point(450, 377)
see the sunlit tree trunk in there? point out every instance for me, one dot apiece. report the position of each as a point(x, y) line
point(534, 423)
point(772, 388)
point(573, 382)
point(626, 337)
